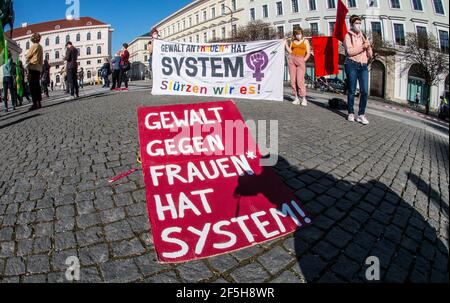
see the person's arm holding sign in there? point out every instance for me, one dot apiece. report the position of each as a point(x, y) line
point(288, 47)
point(368, 48)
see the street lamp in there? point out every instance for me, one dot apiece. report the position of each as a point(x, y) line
point(232, 19)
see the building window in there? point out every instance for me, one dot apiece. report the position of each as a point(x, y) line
point(252, 14)
point(197, 20)
point(190, 39)
point(89, 74)
point(280, 31)
point(373, 3)
point(222, 8)
point(197, 38)
point(205, 37)
point(233, 5)
point(234, 30)
point(331, 27)
point(417, 5)
point(88, 38)
point(57, 40)
point(421, 31)
point(443, 39)
point(47, 42)
point(438, 7)
point(79, 51)
point(99, 61)
point(314, 28)
point(295, 6)
point(27, 46)
point(99, 35)
point(88, 51)
point(88, 62)
point(99, 50)
point(78, 37)
point(190, 21)
point(214, 34)
point(204, 16)
point(399, 32)
point(376, 29)
point(47, 56)
point(56, 55)
point(395, 4)
point(145, 58)
point(67, 38)
point(331, 4)
point(223, 32)
point(279, 8)
point(213, 13)
point(312, 5)
point(351, 3)
point(265, 11)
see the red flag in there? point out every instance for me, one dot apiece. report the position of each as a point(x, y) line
point(326, 55)
point(340, 28)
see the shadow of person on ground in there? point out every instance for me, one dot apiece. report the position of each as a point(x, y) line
point(352, 222)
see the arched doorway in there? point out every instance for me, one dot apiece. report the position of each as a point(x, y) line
point(377, 79)
point(418, 90)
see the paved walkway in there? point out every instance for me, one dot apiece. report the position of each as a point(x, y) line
point(380, 190)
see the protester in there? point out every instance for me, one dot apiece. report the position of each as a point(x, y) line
point(34, 63)
point(359, 52)
point(81, 78)
point(150, 57)
point(106, 72)
point(45, 77)
point(125, 66)
point(299, 52)
point(72, 68)
point(115, 62)
point(9, 74)
point(22, 78)
point(52, 85)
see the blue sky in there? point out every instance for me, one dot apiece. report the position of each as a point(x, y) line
point(129, 18)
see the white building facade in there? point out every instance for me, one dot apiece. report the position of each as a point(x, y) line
point(91, 37)
point(138, 49)
point(204, 20)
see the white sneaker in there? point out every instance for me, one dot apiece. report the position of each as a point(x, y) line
point(304, 102)
point(351, 118)
point(296, 101)
point(363, 120)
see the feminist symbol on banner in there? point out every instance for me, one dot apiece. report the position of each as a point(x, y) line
point(257, 62)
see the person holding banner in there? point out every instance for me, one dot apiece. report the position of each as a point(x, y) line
point(299, 53)
point(359, 52)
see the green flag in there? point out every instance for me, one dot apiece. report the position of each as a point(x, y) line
point(3, 47)
point(19, 78)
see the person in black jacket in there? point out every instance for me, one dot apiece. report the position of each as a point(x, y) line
point(72, 66)
point(45, 78)
point(106, 72)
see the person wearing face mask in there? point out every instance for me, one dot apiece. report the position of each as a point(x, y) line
point(299, 52)
point(359, 52)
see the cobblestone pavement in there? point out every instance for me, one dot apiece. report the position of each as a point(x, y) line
point(380, 190)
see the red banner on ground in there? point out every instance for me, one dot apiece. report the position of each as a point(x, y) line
point(206, 191)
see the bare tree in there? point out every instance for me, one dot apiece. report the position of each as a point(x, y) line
point(253, 31)
point(380, 47)
point(423, 50)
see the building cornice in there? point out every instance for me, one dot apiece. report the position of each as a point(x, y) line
point(65, 30)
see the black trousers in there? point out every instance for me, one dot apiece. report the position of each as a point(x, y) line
point(115, 79)
point(35, 87)
point(73, 82)
point(123, 78)
point(8, 85)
